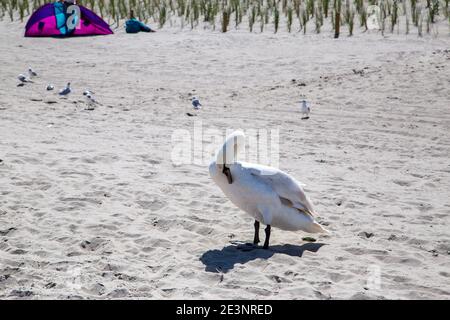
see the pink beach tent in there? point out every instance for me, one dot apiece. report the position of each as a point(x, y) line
point(50, 20)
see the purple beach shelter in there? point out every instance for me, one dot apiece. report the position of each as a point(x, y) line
point(46, 22)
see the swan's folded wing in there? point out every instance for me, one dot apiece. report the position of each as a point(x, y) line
point(288, 189)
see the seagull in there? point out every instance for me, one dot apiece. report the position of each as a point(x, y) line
point(86, 92)
point(65, 91)
point(22, 78)
point(305, 110)
point(31, 73)
point(50, 87)
point(267, 194)
point(196, 103)
point(91, 102)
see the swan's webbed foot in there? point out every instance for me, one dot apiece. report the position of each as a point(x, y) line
point(256, 238)
point(266, 242)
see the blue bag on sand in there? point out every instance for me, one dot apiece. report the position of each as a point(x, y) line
point(134, 26)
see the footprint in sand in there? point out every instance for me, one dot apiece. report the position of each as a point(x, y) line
point(93, 244)
point(118, 293)
point(153, 205)
point(402, 183)
point(74, 174)
point(97, 289)
point(21, 293)
point(148, 159)
point(150, 175)
point(18, 251)
point(6, 232)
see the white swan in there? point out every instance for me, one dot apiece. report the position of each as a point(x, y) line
point(269, 195)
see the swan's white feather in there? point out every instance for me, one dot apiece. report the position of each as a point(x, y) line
point(283, 184)
point(268, 194)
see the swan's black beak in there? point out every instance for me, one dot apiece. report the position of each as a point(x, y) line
point(226, 171)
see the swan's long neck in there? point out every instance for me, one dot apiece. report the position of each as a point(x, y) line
point(228, 153)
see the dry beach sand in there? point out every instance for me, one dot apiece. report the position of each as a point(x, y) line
point(91, 205)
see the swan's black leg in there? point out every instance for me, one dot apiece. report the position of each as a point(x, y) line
point(266, 243)
point(256, 238)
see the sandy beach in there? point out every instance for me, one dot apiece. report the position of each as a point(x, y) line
point(92, 205)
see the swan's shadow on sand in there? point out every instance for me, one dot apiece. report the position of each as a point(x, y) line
point(225, 259)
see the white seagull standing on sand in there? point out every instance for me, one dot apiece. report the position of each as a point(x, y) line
point(91, 102)
point(31, 73)
point(305, 109)
point(50, 87)
point(196, 103)
point(269, 195)
point(65, 91)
